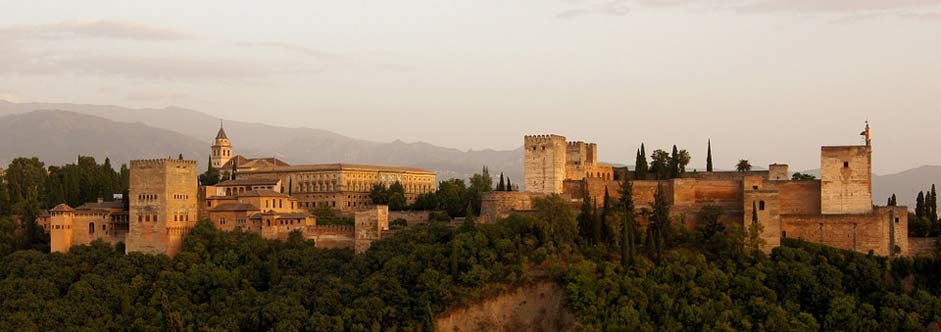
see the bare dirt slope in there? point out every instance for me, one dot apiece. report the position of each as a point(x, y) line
point(538, 308)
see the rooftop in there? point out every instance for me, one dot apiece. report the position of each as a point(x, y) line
point(338, 167)
point(231, 207)
point(262, 193)
point(248, 182)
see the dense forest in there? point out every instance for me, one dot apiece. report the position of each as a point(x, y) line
point(671, 279)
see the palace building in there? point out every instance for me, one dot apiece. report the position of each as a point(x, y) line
point(344, 187)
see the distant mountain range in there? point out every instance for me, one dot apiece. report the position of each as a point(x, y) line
point(60, 132)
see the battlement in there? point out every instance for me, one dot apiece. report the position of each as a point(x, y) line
point(330, 228)
point(161, 162)
point(538, 139)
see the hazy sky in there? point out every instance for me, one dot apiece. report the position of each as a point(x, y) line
point(767, 80)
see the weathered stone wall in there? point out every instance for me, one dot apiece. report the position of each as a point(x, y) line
point(163, 205)
point(539, 307)
point(880, 231)
point(799, 197)
point(544, 163)
point(846, 179)
point(497, 205)
point(923, 246)
point(411, 217)
point(723, 175)
point(331, 236)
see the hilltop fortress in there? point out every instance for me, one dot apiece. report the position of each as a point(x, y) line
point(265, 196)
point(836, 210)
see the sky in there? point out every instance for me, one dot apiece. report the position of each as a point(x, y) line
point(765, 80)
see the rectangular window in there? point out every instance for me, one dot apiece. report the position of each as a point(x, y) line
point(846, 164)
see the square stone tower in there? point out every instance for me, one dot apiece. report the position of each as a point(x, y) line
point(544, 163)
point(846, 179)
point(163, 205)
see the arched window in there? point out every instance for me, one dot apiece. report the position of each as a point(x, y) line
point(91, 228)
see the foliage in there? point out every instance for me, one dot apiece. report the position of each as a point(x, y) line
point(798, 176)
point(743, 166)
point(329, 216)
point(480, 183)
point(211, 176)
point(709, 157)
point(640, 164)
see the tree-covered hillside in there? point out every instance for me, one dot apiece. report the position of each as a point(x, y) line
point(706, 279)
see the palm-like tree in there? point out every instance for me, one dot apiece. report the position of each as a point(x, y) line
point(743, 166)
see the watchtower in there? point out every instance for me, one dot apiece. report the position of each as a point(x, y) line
point(544, 163)
point(163, 205)
point(61, 219)
point(846, 178)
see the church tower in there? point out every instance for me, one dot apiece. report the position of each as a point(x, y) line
point(221, 149)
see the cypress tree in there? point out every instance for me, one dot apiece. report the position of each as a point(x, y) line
point(595, 225)
point(509, 185)
point(920, 204)
point(933, 213)
point(895, 200)
point(628, 229)
point(235, 168)
point(709, 157)
point(640, 165)
point(584, 219)
point(674, 162)
point(502, 185)
point(605, 212)
point(469, 221)
point(659, 224)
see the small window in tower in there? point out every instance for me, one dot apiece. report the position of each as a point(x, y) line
point(761, 205)
point(846, 164)
point(91, 228)
point(754, 187)
point(896, 220)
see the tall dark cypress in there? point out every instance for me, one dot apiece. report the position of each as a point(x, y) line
point(605, 212)
point(628, 229)
point(920, 204)
point(509, 185)
point(501, 186)
point(895, 200)
point(709, 157)
point(933, 204)
point(674, 163)
point(640, 165)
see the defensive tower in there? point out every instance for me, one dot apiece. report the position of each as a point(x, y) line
point(163, 205)
point(544, 163)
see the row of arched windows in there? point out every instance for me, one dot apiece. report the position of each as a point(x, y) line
point(147, 218)
point(147, 197)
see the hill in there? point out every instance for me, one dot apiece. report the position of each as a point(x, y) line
point(58, 137)
point(294, 145)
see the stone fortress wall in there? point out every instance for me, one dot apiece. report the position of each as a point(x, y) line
point(836, 210)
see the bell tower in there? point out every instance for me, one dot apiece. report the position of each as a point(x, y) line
point(221, 149)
